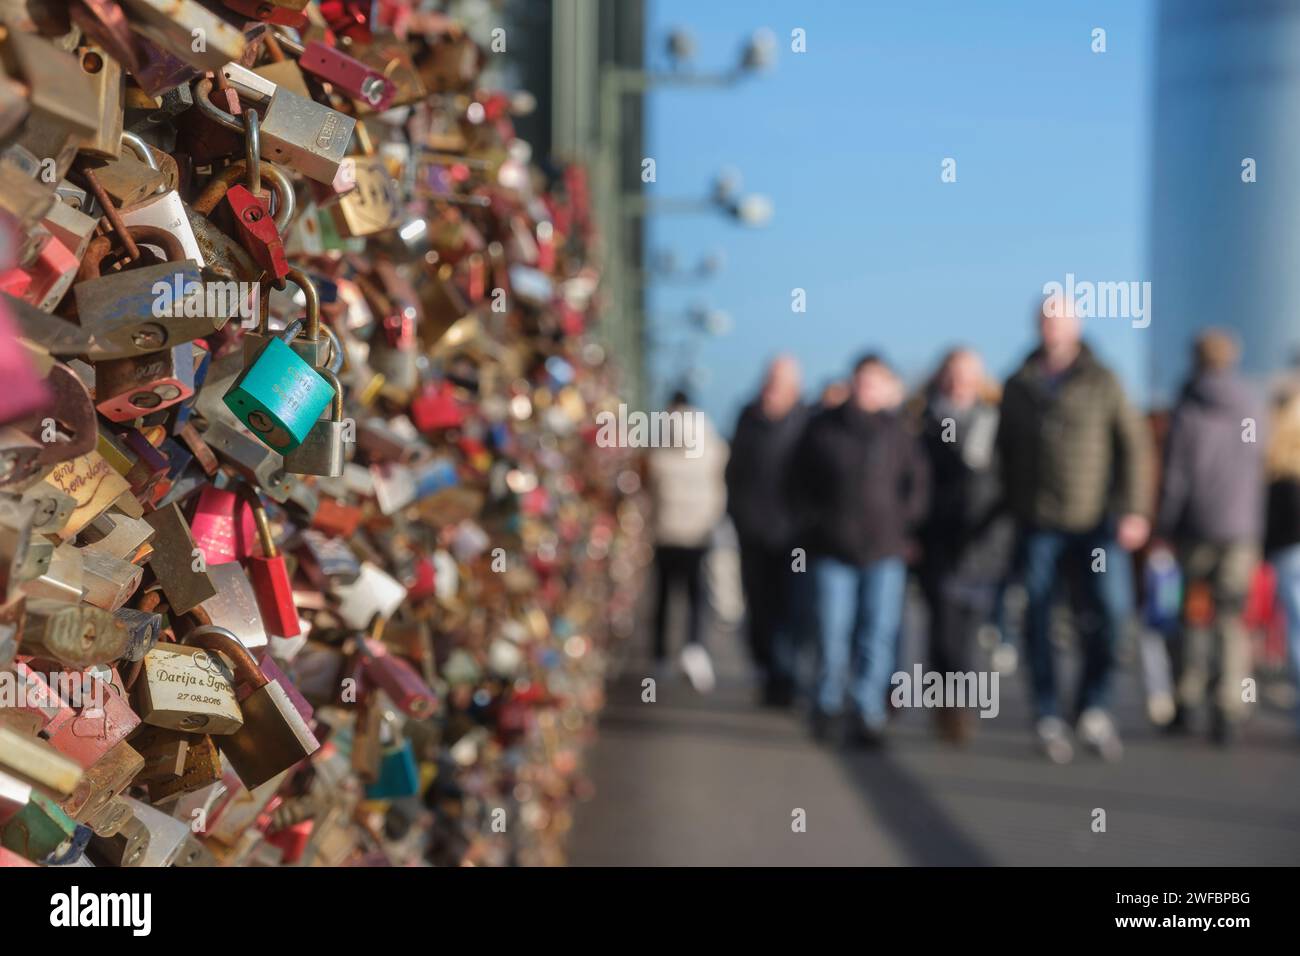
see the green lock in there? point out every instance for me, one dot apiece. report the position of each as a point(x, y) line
point(279, 396)
point(38, 829)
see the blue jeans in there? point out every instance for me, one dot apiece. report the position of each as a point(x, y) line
point(1104, 601)
point(856, 616)
point(1286, 563)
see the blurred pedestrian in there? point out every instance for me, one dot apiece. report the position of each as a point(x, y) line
point(1211, 509)
point(764, 440)
point(1282, 533)
point(857, 482)
point(685, 480)
point(1075, 459)
point(965, 547)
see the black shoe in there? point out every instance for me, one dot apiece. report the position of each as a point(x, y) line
point(867, 736)
point(825, 727)
point(778, 694)
point(1180, 725)
point(1222, 731)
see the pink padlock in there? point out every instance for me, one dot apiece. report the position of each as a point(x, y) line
point(215, 530)
point(25, 391)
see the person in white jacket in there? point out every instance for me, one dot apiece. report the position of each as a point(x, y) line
point(685, 480)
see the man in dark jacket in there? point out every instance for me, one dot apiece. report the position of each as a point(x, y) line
point(1211, 509)
point(765, 437)
point(857, 482)
point(1076, 472)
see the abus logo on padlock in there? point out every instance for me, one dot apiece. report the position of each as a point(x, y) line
point(179, 296)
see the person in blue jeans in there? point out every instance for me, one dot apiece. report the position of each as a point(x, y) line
point(1076, 465)
point(857, 483)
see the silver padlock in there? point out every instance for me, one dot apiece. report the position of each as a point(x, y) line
point(296, 132)
point(322, 452)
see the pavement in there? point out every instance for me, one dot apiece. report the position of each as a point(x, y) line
point(695, 780)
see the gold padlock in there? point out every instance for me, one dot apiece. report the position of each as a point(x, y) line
point(186, 688)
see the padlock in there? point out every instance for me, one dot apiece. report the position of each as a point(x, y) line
point(397, 775)
point(33, 696)
point(223, 526)
point(279, 396)
point(59, 578)
point(167, 212)
point(323, 450)
point(274, 737)
point(375, 204)
point(32, 759)
point(375, 591)
point(14, 795)
point(270, 575)
point(51, 508)
point(289, 13)
point(199, 766)
point(104, 720)
point(77, 635)
point(168, 836)
point(302, 134)
point(127, 388)
point(105, 74)
point(184, 579)
point(173, 25)
point(39, 830)
point(128, 842)
point(117, 534)
point(312, 346)
point(348, 75)
point(257, 231)
point(107, 582)
point(105, 779)
point(186, 688)
point(146, 308)
point(63, 110)
point(235, 606)
point(16, 520)
point(397, 679)
point(144, 628)
point(115, 815)
point(52, 274)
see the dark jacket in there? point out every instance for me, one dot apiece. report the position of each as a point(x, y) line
point(856, 483)
point(760, 455)
point(1212, 484)
point(1283, 528)
point(961, 533)
point(1073, 450)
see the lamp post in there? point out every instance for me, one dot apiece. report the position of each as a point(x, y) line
point(618, 212)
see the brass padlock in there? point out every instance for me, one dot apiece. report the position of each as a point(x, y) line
point(375, 205)
point(186, 688)
point(274, 737)
point(105, 75)
point(107, 582)
point(176, 562)
point(77, 635)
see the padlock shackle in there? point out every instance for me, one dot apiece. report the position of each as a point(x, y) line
point(336, 404)
point(219, 185)
point(202, 92)
point(136, 144)
point(299, 278)
point(249, 495)
point(213, 637)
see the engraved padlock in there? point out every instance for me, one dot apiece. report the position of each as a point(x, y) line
point(127, 388)
point(279, 396)
point(186, 688)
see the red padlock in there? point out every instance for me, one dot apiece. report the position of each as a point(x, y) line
point(436, 408)
point(348, 74)
point(284, 15)
point(270, 575)
point(396, 678)
point(104, 720)
point(257, 231)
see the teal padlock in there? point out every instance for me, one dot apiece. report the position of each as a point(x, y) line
point(399, 775)
point(279, 396)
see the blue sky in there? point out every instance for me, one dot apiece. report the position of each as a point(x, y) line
point(1051, 142)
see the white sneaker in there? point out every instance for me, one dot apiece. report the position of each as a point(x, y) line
point(1097, 730)
point(1005, 659)
point(1054, 739)
point(698, 667)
